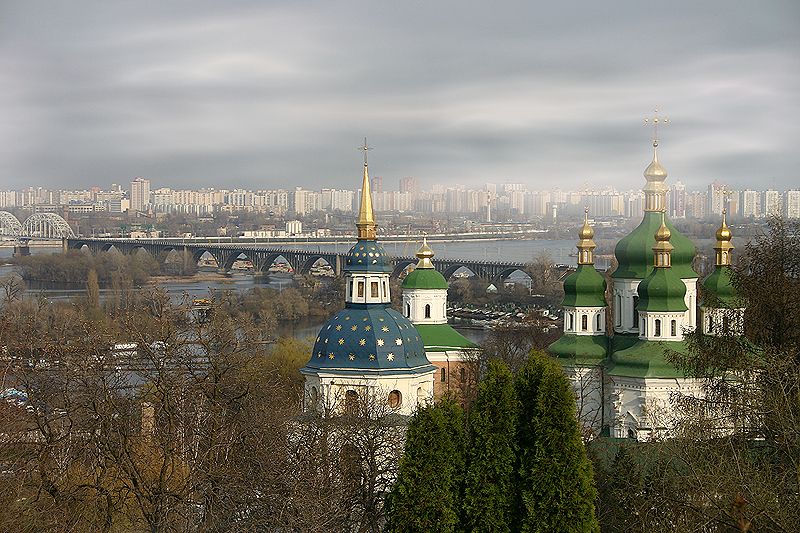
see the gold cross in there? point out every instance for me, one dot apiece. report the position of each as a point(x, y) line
point(365, 149)
point(655, 120)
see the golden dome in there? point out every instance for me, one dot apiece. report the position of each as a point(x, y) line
point(662, 233)
point(654, 171)
point(425, 254)
point(586, 232)
point(724, 232)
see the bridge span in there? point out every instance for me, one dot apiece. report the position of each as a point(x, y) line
point(264, 256)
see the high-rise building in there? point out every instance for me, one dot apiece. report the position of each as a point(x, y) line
point(677, 200)
point(716, 198)
point(793, 203)
point(773, 203)
point(140, 194)
point(377, 184)
point(409, 185)
point(751, 203)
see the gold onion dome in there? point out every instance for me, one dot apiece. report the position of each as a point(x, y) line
point(724, 232)
point(586, 233)
point(654, 171)
point(424, 254)
point(663, 235)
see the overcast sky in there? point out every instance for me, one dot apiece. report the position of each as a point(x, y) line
point(265, 94)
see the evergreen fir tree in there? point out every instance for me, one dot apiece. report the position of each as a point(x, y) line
point(426, 494)
point(489, 485)
point(554, 478)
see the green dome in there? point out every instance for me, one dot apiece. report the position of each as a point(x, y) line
point(633, 357)
point(580, 349)
point(585, 287)
point(634, 252)
point(719, 284)
point(424, 278)
point(662, 290)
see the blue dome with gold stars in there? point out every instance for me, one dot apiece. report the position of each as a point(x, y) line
point(367, 256)
point(369, 338)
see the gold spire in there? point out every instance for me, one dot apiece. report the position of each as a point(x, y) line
point(655, 191)
point(662, 251)
point(424, 254)
point(367, 228)
point(586, 245)
point(723, 248)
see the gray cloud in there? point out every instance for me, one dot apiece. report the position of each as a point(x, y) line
point(263, 95)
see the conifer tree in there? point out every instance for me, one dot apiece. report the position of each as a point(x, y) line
point(554, 478)
point(489, 486)
point(426, 494)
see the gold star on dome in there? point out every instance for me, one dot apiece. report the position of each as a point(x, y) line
point(352, 357)
point(326, 341)
point(338, 327)
point(367, 328)
point(380, 319)
point(390, 356)
point(362, 342)
point(398, 342)
point(317, 339)
point(365, 319)
point(330, 355)
point(319, 354)
point(353, 328)
point(347, 318)
point(329, 326)
point(385, 329)
point(372, 357)
point(380, 342)
point(341, 341)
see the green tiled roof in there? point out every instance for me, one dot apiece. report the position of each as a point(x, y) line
point(580, 349)
point(442, 337)
point(424, 278)
point(719, 284)
point(633, 357)
point(634, 252)
point(585, 287)
point(662, 290)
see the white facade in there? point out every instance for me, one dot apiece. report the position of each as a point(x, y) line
point(722, 321)
point(626, 297)
point(336, 392)
point(642, 408)
point(585, 320)
point(425, 306)
point(367, 288)
point(140, 194)
point(661, 326)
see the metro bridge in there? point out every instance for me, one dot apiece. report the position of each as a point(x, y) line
point(263, 256)
point(36, 226)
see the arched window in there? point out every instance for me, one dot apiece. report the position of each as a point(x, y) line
point(658, 327)
point(395, 399)
point(427, 310)
point(598, 322)
point(408, 310)
point(373, 289)
point(360, 289)
point(444, 375)
point(635, 312)
point(710, 323)
point(584, 322)
point(618, 310)
point(673, 328)
point(314, 397)
point(351, 402)
point(571, 322)
point(421, 396)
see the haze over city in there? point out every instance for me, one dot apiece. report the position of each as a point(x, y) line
point(263, 95)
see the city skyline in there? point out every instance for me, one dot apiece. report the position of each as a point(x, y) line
point(265, 96)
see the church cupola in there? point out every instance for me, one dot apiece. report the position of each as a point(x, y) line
point(722, 312)
point(584, 305)
point(662, 308)
point(368, 351)
point(425, 291)
point(634, 252)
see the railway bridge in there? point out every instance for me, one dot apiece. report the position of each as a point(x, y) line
point(264, 256)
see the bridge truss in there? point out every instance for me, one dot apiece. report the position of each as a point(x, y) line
point(36, 226)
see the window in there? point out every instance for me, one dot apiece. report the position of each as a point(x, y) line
point(598, 322)
point(350, 289)
point(385, 285)
point(314, 397)
point(571, 322)
point(444, 375)
point(408, 311)
point(351, 402)
point(618, 310)
point(673, 328)
point(710, 324)
point(635, 312)
point(421, 396)
point(584, 322)
point(373, 289)
point(658, 327)
point(463, 375)
point(427, 310)
point(360, 289)
point(395, 399)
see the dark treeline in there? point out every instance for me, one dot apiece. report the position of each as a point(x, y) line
point(74, 267)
